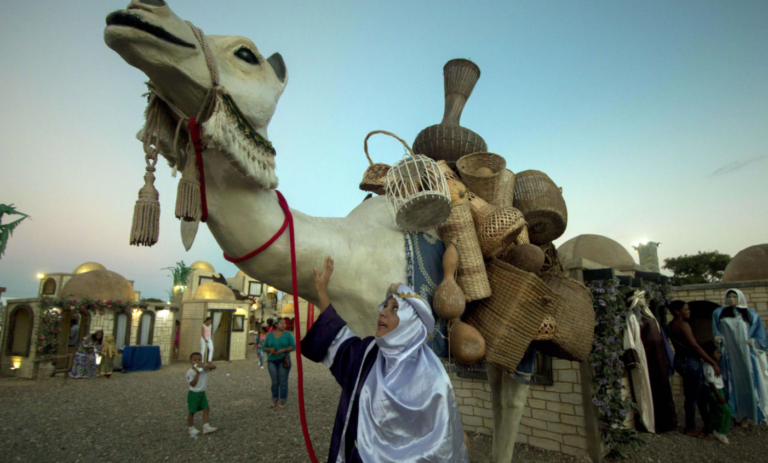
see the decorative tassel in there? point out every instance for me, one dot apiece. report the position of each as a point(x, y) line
point(188, 206)
point(146, 214)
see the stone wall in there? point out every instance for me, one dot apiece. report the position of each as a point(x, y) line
point(27, 367)
point(756, 293)
point(553, 419)
point(192, 315)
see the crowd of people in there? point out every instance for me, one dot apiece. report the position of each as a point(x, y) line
point(726, 378)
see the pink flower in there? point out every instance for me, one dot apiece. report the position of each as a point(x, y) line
point(53, 330)
point(110, 301)
point(39, 349)
point(58, 319)
point(126, 310)
point(42, 338)
point(74, 301)
point(72, 308)
point(119, 302)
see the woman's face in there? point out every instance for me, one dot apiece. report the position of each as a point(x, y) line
point(732, 299)
point(208, 322)
point(281, 325)
point(99, 335)
point(388, 319)
point(685, 312)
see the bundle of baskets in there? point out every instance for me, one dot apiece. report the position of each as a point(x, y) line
point(502, 225)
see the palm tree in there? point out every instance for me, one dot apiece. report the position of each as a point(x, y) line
point(180, 275)
point(7, 230)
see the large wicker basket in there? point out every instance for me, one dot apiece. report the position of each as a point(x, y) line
point(471, 275)
point(542, 203)
point(500, 230)
point(575, 317)
point(487, 187)
point(511, 318)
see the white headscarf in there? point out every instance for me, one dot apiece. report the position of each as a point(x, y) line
point(742, 304)
point(408, 411)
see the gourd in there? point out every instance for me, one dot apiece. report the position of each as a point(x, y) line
point(526, 257)
point(467, 344)
point(449, 300)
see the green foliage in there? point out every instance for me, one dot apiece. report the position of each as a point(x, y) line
point(180, 273)
point(52, 311)
point(7, 230)
point(704, 267)
point(608, 368)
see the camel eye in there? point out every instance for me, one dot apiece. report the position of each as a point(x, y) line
point(246, 55)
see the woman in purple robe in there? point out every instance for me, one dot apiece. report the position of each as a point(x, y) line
point(397, 402)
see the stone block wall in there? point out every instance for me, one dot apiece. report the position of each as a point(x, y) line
point(756, 293)
point(28, 367)
point(192, 316)
point(553, 419)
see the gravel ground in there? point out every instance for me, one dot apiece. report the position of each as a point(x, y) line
point(142, 417)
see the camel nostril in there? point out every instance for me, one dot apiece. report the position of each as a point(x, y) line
point(153, 2)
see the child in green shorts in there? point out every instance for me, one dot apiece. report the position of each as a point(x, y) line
point(197, 377)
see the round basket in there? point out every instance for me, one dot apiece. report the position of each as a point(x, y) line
point(489, 186)
point(471, 276)
point(499, 230)
point(376, 174)
point(542, 203)
point(511, 318)
point(417, 194)
point(507, 194)
point(575, 317)
point(448, 142)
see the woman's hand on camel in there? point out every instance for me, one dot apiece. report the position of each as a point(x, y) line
point(323, 276)
point(321, 282)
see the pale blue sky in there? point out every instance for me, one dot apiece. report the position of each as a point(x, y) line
point(630, 106)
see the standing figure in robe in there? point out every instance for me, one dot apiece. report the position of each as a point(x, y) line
point(659, 366)
point(740, 334)
point(397, 404)
point(638, 365)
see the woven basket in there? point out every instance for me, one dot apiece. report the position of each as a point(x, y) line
point(547, 329)
point(480, 209)
point(542, 203)
point(376, 174)
point(552, 262)
point(510, 319)
point(487, 187)
point(499, 230)
point(471, 276)
point(523, 237)
point(507, 194)
point(575, 319)
point(447, 171)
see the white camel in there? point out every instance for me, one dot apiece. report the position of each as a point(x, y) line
point(243, 209)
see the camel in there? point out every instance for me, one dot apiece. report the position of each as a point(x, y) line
point(244, 213)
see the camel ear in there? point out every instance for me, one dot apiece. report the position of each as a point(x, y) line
point(278, 65)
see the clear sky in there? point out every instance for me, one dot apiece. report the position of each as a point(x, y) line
point(652, 116)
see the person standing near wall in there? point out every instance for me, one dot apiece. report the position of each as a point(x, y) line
point(279, 345)
point(205, 339)
point(689, 358)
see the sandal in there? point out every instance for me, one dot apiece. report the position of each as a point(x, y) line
point(692, 433)
point(273, 406)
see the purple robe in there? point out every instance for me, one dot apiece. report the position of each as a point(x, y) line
point(350, 357)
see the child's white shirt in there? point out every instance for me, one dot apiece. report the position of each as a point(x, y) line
point(709, 376)
point(202, 381)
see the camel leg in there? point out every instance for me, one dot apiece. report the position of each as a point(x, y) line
point(509, 400)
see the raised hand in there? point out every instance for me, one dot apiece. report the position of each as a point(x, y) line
point(321, 282)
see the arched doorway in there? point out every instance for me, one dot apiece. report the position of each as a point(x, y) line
point(74, 326)
point(19, 332)
point(49, 287)
point(701, 319)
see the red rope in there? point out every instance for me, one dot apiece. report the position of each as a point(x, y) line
point(194, 134)
point(297, 326)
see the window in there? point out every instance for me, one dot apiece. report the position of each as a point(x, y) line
point(543, 373)
point(122, 330)
point(203, 280)
point(146, 328)
point(254, 288)
point(19, 337)
point(49, 287)
point(238, 323)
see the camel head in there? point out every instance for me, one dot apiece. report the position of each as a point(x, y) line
point(151, 37)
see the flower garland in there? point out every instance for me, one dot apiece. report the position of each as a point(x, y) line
point(658, 297)
point(608, 368)
point(52, 310)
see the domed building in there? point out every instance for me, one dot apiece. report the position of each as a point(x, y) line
point(208, 295)
point(596, 251)
point(146, 325)
point(749, 264)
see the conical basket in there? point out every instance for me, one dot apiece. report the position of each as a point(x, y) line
point(487, 187)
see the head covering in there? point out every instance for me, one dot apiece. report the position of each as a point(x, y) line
point(742, 304)
point(408, 410)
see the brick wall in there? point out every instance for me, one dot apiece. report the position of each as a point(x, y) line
point(192, 315)
point(553, 419)
point(756, 293)
point(28, 368)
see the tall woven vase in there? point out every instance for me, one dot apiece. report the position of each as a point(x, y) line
point(448, 140)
